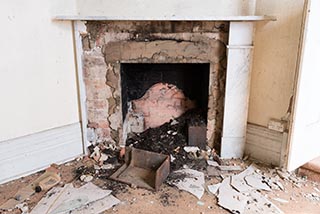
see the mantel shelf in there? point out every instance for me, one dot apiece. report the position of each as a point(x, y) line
point(167, 18)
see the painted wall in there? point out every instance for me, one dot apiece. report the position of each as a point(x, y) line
point(275, 54)
point(37, 83)
point(37, 70)
point(163, 8)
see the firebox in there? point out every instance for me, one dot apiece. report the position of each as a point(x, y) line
point(191, 78)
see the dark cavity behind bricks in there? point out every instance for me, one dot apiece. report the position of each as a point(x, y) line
point(191, 78)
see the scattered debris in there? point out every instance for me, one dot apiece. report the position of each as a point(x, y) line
point(189, 180)
point(200, 203)
point(86, 178)
point(161, 140)
point(23, 207)
point(213, 171)
point(192, 149)
point(174, 122)
point(51, 179)
point(75, 200)
point(214, 188)
point(260, 204)
point(230, 198)
point(280, 185)
point(238, 181)
point(257, 182)
point(172, 158)
point(230, 168)
point(43, 181)
point(312, 196)
point(283, 201)
point(238, 193)
point(213, 163)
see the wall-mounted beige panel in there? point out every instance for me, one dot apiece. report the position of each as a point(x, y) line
point(274, 60)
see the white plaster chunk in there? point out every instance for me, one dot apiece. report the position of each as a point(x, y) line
point(230, 198)
point(256, 181)
point(68, 199)
point(238, 182)
point(260, 204)
point(192, 183)
point(212, 163)
point(98, 206)
point(191, 149)
point(282, 201)
point(214, 188)
point(230, 168)
point(172, 158)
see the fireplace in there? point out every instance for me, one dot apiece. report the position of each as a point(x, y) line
point(125, 61)
point(105, 47)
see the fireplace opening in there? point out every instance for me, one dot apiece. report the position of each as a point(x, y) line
point(155, 93)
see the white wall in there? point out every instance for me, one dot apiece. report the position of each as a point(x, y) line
point(154, 9)
point(275, 58)
point(37, 70)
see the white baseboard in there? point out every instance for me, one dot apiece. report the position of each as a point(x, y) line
point(25, 155)
point(266, 145)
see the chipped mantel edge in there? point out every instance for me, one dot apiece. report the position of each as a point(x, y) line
point(169, 18)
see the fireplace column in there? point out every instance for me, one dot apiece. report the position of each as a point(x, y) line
point(239, 54)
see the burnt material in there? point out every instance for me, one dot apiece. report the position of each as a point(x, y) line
point(191, 78)
point(170, 139)
point(143, 169)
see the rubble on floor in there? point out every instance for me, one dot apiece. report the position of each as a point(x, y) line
point(189, 180)
point(46, 181)
point(69, 200)
point(238, 188)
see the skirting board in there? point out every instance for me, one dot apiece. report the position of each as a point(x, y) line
point(266, 145)
point(25, 155)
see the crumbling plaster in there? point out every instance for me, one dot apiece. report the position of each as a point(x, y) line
point(108, 44)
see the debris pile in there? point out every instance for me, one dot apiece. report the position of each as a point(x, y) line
point(46, 181)
point(171, 139)
point(238, 193)
point(69, 200)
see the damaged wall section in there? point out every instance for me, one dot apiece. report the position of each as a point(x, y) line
point(108, 44)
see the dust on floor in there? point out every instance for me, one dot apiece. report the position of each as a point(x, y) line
point(296, 199)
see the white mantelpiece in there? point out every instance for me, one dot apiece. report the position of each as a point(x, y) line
point(240, 49)
point(239, 55)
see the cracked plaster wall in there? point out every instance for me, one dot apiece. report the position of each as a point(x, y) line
point(108, 44)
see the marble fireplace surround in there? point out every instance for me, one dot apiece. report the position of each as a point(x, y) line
point(239, 58)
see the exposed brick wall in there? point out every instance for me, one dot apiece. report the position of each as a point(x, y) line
point(108, 44)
